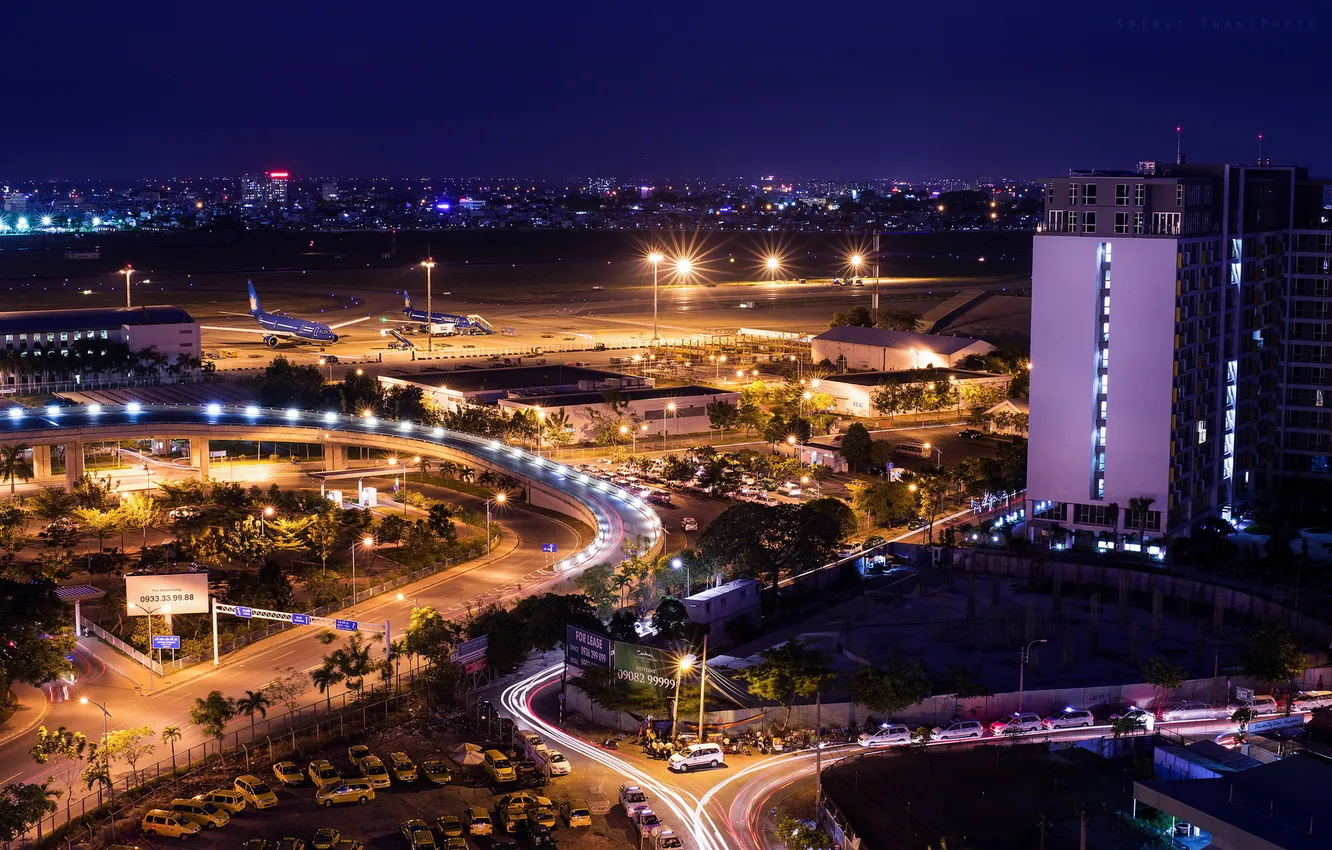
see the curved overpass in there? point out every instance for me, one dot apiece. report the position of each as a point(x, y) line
point(618, 516)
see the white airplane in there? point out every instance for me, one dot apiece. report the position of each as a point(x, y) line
point(276, 327)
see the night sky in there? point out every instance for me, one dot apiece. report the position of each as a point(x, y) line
point(633, 88)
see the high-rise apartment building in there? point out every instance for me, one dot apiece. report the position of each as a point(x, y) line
point(265, 190)
point(1179, 363)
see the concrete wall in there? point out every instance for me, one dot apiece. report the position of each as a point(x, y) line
point(888, 359)
point(690, 416)
point(170, 340)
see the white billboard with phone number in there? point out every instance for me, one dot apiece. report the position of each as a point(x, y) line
point(185, 593)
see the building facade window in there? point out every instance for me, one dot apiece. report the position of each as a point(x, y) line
point(1089, 194)
point(1121, 194)
point(1089, 221)
point(1139, 194)
point(1121, 222)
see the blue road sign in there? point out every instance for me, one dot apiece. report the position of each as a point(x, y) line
point(301, 619)
point(242, 611)
point(69, 657)
point(346, 625)
point(549, 548)
point(166, 641)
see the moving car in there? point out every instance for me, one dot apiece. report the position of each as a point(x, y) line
point(697, 755)
point(1017, 722)
point(1309, 700)
point(437, 771)
point(667, 840)
point(226, 799)
point(326, 838)
point(887, 735)
point(478, 821)
point(288, 773)
point(323, 773)
point(647, 823)
point(357, 752)
point(256, 791)
point(632, 798)
point(689, 524)
point(576, 813)
point(166, 824)
point(373, 769)
point(348, 791)
point(403, 768)
point(970, 433)
point(449, 825)
point(1264, 704)
point(1142, 715)
point(1192, 710)
point(1070, 718)
point(959, 729)
point(418, 834)
point(205, 814)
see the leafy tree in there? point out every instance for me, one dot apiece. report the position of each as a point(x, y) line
point(776, 430)
point(129, 746)
point(15, 463)
point(838, 511)
point(1271, 654)
point(65, 752)
point(855, 317)
point(758, 540)
point(671, 619)
point(856, 444)
point(431, 635)
point(1164, 676)
point(253, 702)
point(409, 404)
point(353, 661)
point(800, 834)
point(881, 454)
point(594, 584)
point(896, 319)
point(268, 588)
point(50, 503)
point(440, 522)
point(787, 671)
point(557, 428)
point(624, 626)
point(391, 528)
point(544, 618)
point(287, 689)
point(324, 678)
point(962, 683)
point(723, 415)
point(212, 714)
point(22, 806)
point(1126, 725)
point(243, 541)
point(13, 524)
point(170, 735)
point(322, 534)
point(507, 646)
point(34, 637)
point(900, 684)
point(100, 524)
point(92, 491)
point(141, 512)
point(361, 393)
point(287, 385)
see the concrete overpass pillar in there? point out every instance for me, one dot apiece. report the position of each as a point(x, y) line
point(41, 462)
point(199, 456)
point(73, 463)
point(335, 457)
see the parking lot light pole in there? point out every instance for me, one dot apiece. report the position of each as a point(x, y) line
point(499, 498)
point(1022, 667)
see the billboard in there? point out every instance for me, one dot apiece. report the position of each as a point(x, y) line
point(587, 650)
point(645, 667)
point(186, 593)
point(471, 650)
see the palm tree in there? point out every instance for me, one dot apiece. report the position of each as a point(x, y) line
point(325, 678)
point(170, 735)
point(486, 478)
point(466, 473)
point(253, 701)
point(15, 463)
point(353, 662)
point(1140, 505)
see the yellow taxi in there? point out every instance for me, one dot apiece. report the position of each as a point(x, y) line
point(449, 825)
point(323, 773)
point(205, 814)
point(255, 791)
point(478, 821)
point(373, 769)
point(288, 773)
point(166, 824)
point(226, 799)
point(576, 813)
point(326, 838)
point(403, 768)
point(356, 752)
point(542, 814)
point(418, 834)
point(456, 842)
point(437, 771)
point(346, 791)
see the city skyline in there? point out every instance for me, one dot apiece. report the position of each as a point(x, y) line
point(596, 90)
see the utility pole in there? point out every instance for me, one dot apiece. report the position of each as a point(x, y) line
point(1042, 826)
point(818, 755)
point(702, 690)
point(874, 300)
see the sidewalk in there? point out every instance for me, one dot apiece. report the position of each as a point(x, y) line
point(31, 711)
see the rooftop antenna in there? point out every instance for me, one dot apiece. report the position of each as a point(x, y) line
point(1260, 148)
point(1179, 153)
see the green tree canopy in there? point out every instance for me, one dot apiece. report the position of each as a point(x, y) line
point(900, 684)
point(787, 672)
point(212, 714)
point(856, 443)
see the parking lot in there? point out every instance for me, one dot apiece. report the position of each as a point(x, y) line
point(377, 823)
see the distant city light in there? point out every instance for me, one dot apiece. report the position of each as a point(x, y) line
point(46, 221)
point(22, 224)
point(684, 266)
point(97, 222)
point(442, 206)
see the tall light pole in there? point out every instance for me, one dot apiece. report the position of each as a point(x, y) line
point(165, 609)
point(127, 271)
point(773, 265)
point(499, 499)
point(655, 259)
point(105, 735)
point(671, 409)
point(1022, 667)
point(677, 563)
point(856, 261)
point(937, 451)
point(429, 263)
point(366, 542)
point(266, 512)
point(684, 665)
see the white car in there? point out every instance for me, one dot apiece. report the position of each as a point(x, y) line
point(689, 524)
point(1069, 718)
point(887, 735)
point(959, 729)
point(559, 765)
point(1142, 715)
point(1265, 704)
point(1190, 710)
point(1309, 700)
point(1016, 723)
point(697, 755)
point(646, 822)
point(632, 798)
point(791, 489)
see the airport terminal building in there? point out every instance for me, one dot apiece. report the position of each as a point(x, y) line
point(76, 346)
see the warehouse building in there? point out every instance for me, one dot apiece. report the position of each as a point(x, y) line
point(853, 393)
point(450, 389)
point(874, 349)
point(46, 346)
point(650, 411)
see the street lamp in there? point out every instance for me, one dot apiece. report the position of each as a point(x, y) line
point(267, 512)
point(684, 665)
point(1022, 667)
point(429, 264)
point(856, 261)
point(774, 265)
point(671, 409)
point(798, 447)
point(324, 361)
point(165, 609)
point(676, 564)
point(366, 542)
point(105, 735)
point(499, 499)
point(127, 271)
point(937, 451)
point(655, 259)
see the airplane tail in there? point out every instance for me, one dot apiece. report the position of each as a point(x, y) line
point(254, 299)
point(406, 302)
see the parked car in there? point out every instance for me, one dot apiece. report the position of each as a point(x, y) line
point(1193, 710)
point(373, 768)
point(647, 823)
point(1265, 704)
point(348, 791)
point(203, 813)
point(227, 799)
point(1016, 723)
point(288, 773)
point(323, 773)
point(326, 838)
point(1142, 715)
point(887, 735)
point(256, 791)
point(403, 768)
point(632, 798)
point(667, 840)
point(959, 729)
point(576, 813)
point(166, 824)
point(1070, 718)
point(449, 826)
point(437, 771)
point(697, 755)
point(1310, 700)
point(478, 821)
point(555, 760)
point(418, 834)
point(356, 753)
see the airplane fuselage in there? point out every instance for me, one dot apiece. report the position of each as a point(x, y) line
point(300, 329)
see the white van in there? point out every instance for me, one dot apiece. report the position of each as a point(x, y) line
point(887, 735)
point(959, 729)
point(697, 755)
point(1264, 704)
point(912, 448)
